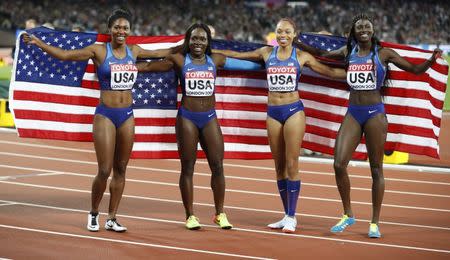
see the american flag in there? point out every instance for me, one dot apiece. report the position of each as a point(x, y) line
point(413, 103)
point(55, 107)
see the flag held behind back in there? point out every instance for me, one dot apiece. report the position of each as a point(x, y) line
point(56, 100)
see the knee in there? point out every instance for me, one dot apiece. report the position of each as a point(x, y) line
point(187, 167)
point(292, 167)
point(339, 167)
point(377, 172)
point(292, 164)
point(103, 173)
point(120, 168)
point(216, 167)
point(280, 168)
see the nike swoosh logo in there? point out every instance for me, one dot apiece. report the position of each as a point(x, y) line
point(271, 63)
point(372, 111)
point(112, 63)
point(189, 69)
point(292, 109)
point(129, 113)
point(210, 115)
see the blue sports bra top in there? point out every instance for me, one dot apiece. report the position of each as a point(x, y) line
point(283, 75)
point(198, 80)
point(361, 75)
point(117, 74)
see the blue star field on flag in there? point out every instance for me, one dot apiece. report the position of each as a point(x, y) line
point(151, 90)
point(35, 65)
point(323, 42)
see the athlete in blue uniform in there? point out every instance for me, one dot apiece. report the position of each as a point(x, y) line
point(196, 119)
point(285, 116)
point(366, 70)
point(113, 126)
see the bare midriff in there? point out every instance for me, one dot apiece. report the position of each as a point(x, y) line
point(116, 98)
point(282, 98)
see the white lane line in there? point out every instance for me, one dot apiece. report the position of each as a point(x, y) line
point(212, 205)
point(8, 130)
point(136, 243)
point(49, 147)
point(175, 171)
point(402, 167)
point(253, 230)
point(260, 193)
point(7, 204)
point(204, 174)
point(13, 177)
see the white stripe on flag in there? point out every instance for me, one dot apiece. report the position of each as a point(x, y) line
point(54, 126)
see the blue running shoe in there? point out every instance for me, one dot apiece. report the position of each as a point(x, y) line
point(343, 223)
point(374, 231)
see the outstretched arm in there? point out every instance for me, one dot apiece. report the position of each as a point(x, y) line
point(311, 62)
point(74, 55)
point(256, 55)
point(219, 59)
point(338, 54)
point(399, 61)
point(155, 66)
point(161, 53)
point(172, 61)
point(234, 64)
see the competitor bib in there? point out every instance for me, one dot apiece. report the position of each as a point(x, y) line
point(361, 77)
point(199, 83)
point(282, 78)
point(123, 76)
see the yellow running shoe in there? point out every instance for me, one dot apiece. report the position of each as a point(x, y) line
point(192, 223)
point(222, 221)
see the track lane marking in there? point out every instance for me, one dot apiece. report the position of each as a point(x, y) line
point(255, 231)
point(186, 249)
point(255, 192)
point(212, 205)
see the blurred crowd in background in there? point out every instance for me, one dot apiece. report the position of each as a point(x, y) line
point(407, 21)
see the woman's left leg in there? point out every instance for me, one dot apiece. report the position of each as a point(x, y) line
point(211, 141)
point(375, 131)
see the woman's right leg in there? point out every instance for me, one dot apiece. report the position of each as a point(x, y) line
point(278, 150)
point(187, 140)
point(104, 142)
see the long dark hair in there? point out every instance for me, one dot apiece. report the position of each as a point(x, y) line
point(352, 42)
point(188, 34)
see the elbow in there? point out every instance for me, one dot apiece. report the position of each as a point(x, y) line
point(64, 56)
point(418, 71)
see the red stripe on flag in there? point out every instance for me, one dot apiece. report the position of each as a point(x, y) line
point(58, 135)
point(402, 147)
point(90, 84)
point(55, 98)
point(53, 116)
point(412, 130)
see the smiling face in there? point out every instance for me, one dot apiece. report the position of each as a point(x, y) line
point(285, 33)
point(363, 30)
point(198, 42)
point(120, 30)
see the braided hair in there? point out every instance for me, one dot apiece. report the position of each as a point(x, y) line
point(352, 42)
point(120, 13)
